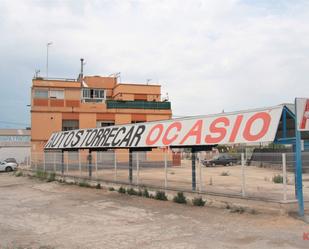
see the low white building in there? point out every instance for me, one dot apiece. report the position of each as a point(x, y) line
point(15, 143)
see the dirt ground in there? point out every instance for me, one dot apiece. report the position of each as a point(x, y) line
point(37, 214)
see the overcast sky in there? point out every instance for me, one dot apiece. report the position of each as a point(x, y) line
point(209, 56)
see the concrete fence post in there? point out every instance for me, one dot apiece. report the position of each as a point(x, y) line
point(284, 175)
point(165, 169)
point(115, 166)
point(137, 169)
point(243, 184)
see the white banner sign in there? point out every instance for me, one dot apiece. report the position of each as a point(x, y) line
point(302, 113)
point(224, 128)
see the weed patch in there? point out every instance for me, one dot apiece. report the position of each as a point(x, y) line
point(122, 190)
point(198, 201)
point(131, 191)
point(180, 198)
point(160, 195)
point(278, 179)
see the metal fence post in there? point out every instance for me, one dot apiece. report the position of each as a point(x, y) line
point(137, 169)
point(36, 162)
point(115, 166)
point(55, 161)
point(165, 169)
point(243, 192)
point(44, 163)
point(284, 175)
point(96, 164)
point(79, 165)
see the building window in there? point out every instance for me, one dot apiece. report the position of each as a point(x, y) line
point(93, 95)
point(104, 123)
point(41, 94)
point(70, 125)
point(56, 94)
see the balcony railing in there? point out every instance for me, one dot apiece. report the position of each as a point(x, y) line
point(120, 104)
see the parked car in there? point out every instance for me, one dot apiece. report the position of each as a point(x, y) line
point(11, 160)
point(221, 160)
point(5, 166)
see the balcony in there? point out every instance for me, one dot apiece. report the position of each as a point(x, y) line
point(120, 104)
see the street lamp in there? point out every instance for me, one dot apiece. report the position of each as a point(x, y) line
point(47, 46)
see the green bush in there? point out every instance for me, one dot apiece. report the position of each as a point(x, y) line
point(122, 190)
point(41, 174)
point(18, 174)
point(51, 177)
point(146, 193)
point(111, 189)
point(98, 186)
point(160, 195)
point(131, 191)
point(278, 179)
point(198, 201)
point(140, 192)
point(84, 184)
point(180, 198)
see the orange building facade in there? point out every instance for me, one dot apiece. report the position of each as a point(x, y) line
point(90, 101)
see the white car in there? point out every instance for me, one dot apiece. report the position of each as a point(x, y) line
point(4, 166)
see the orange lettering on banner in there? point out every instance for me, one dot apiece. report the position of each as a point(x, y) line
point(266, 122)
point(165, 139)
point(150, 141)
point(214, 129)
point(305, 116)
point(236, 128)
point(196, 131)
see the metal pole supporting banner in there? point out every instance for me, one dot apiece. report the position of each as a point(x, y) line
point(90, 164)
point(62, 162)
point(193, 171)
point(243, 185)
point(284, 175)
point(298, 173)
point(200, 172)
point(67, 164)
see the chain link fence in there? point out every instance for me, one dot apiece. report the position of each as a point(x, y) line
point(268, 176)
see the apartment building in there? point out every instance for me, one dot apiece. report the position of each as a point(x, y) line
point(90, 101)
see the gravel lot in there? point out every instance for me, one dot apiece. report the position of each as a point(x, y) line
point(37, 214)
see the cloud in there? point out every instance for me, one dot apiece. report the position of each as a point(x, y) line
point(208, 55)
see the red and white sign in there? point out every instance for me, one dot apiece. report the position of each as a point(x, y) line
point(224, 128)
point(302, 114)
